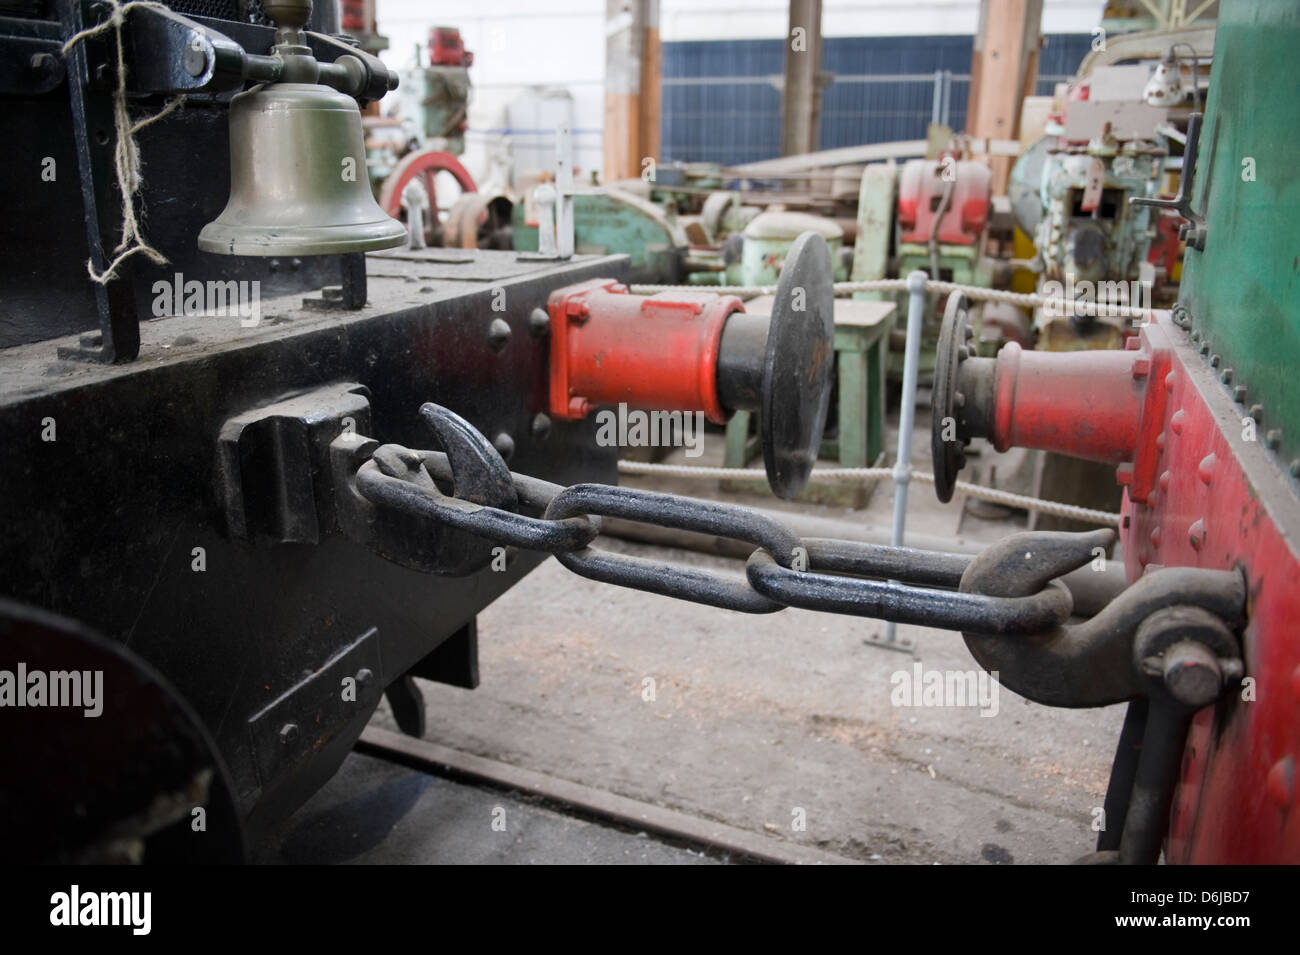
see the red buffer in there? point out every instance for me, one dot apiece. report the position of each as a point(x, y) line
point(694, 351)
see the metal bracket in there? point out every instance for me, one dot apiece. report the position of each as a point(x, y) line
point(171, 53)
point(1193, 231)
point(350, 294)
point(271, 462)
point(118, 338)
point(307, 716)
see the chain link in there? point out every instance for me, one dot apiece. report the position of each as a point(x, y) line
point(900, 584)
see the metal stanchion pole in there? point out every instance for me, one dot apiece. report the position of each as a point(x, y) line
point(906, 418)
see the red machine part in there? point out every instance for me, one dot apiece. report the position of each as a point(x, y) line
point(353, 16)
point(1166, 246)
point(426, 165)
point(1202, 491)
point(1091, 404)
point(657, 352)
point(446, 48)
point(920, 195)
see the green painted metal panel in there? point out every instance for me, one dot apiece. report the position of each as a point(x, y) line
point(605, 223)
point(1243, 291)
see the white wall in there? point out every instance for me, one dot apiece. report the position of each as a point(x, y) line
point(517, 44)
point(757, 19)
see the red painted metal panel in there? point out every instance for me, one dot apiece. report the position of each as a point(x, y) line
point(1220, 503)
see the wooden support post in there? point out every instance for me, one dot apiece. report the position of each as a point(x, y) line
point(801, 98)
point(632, 87)
point(1003, 71)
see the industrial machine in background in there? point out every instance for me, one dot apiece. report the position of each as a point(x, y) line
point(415, 166)
point(1108, 142)
point(930, 214)
point(620, 219)
point(701, 224)
point(1071, 194)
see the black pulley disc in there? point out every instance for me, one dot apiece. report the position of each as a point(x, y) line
point(948, 456)
point(797, 365)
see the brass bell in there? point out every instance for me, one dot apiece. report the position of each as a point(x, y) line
point(298, 181)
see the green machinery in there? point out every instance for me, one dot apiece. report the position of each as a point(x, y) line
point(613, 220)
point(929, 214)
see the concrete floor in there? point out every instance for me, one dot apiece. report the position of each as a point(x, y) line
point(373, 812)
point(757, 721)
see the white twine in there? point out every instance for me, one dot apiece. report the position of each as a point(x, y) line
point(126, 153)
point(991, 494)
point(1027, 299)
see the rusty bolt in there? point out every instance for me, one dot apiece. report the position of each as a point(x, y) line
point(1192, 673)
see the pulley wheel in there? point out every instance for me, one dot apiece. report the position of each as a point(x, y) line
point(424, 165)
point(797, 365)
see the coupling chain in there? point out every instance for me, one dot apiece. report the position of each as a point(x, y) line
point(899, 584)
